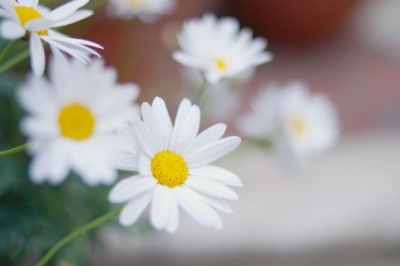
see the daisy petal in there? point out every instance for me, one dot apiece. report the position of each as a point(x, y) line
point(37, 54)
point(212, 152)
point(189, 128)
point(126, 162)
point(216, 220)
point(128, 188)
point(31, 3)
point(211, 188)
point(4, 14)
point(160, 110)
point(217, 174)
point(189, 61)
point(131, 211)
point(75, 41)
point(208, 136)
point(8, 6)
point(58, 55)
point(192, 204)
point(75, 17)
point(11, 30)
point(38, 24)
point(151, 120)
point(216, 203)
point(186, 125)
point(82, 57)
point(65, 10)
point(44, 10)
point(35, 127)
point(161, 206)
point(173, 221)
point(51, 165)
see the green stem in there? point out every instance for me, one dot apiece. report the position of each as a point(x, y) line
point(80, 231)
point(201, 96)
point(14, 60)
point(6, 50)
point(14, 150)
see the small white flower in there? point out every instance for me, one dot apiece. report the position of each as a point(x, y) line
point(293, 119)
point(72, 119)
point(173, 169)
point(145, 10)
point(27, 19)
point(218, 48)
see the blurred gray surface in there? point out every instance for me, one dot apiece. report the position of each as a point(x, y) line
point(343, 209)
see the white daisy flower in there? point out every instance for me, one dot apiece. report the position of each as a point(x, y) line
point(173, 169)
point(72, 119)
point(27, 19)
point(218, 48)
point(293, 118)
point(145, 10)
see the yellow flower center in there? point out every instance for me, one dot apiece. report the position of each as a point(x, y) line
point(26, 14)
point(296, 123)
point(169, 169)
point(76, 121)
point(220, 64)
point(135, 3)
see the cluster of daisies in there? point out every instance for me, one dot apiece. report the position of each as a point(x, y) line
point(80, 119)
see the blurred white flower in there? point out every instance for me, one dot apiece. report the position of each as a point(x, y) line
point(219, 48)
point(72, 119)
point(297, 122)
point(222, 100)
point(145, 10)
point(27, 19)
point(173, 169)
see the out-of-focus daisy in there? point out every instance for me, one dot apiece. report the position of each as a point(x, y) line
point(219, 48)
point(173, 169)
point(292, 118)
point(145, 10)
point(27, 19)
point(221, 100)
point(71, 121)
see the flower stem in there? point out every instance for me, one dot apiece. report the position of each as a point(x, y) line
point(6, 50)
point(14, 150)
point(80, 231)
point(14, 60)
point(201, 96)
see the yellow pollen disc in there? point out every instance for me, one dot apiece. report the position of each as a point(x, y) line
point(220, 64)
point(135, 3)
point(297, 124)
point(26, 14)
point(76, 122)
point(169, 169)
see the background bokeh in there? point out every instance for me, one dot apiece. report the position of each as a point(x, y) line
point(343, 208)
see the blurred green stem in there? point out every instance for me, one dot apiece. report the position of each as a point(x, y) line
point(201, 96)
point(14, 60)
point(14, 150)
point(80, 231)
point(6, 50)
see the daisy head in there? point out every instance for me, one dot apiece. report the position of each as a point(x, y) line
point(293, 118)
point(219, 48)
point(27, 19)
point(71, 121)
point(172, 161)
point(145, 10)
